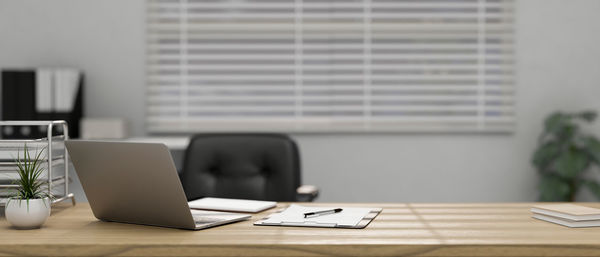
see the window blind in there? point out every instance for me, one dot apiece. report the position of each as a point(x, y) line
point(330, 65)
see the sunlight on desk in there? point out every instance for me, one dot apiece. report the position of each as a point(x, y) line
point(401, 229)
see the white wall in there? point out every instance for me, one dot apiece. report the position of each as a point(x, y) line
point(558, 68)
point(103, 38)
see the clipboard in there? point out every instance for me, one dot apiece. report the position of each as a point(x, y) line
point(364, 222)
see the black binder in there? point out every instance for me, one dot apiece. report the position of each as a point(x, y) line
point(19, 100)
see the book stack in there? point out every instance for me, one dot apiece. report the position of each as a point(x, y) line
point(570, 215)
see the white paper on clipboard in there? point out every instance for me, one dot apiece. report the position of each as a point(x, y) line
point(294, 216)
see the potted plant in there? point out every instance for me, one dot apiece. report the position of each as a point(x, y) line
point(29, 207)
point(564, 156)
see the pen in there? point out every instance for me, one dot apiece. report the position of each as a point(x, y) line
point(320, 213)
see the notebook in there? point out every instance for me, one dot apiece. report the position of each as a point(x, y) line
point(232, 205)
point(568, 223)
point(349, 217)
point(567, 211)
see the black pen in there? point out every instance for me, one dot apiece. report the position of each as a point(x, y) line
point(320, 213)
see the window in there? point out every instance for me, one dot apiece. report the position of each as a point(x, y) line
point(330, 65)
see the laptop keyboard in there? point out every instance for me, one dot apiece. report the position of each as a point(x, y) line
point(205, 219)
point(214, 217)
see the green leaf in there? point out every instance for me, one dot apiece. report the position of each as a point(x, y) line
point(554, 189)
point(555, 122)
point(567, 132)
point(592, 146)
point(570, 163)
point(545, 154)
point(594, 187)
point(588, 116)
point(561, 126)
point(30, 170)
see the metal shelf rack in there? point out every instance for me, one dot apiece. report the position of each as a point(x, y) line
point(56, 159)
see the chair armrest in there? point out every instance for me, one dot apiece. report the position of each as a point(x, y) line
point(307, 193)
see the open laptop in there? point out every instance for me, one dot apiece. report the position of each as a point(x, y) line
point(138, 183)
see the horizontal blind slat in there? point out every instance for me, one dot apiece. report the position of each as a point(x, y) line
point(330, 65)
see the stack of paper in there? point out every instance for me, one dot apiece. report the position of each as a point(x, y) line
point(570, 215)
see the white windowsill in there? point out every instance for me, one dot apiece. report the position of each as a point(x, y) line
point(173, 143)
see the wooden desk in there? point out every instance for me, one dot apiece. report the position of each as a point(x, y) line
point(400, 230)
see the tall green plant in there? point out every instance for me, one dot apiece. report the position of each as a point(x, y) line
point(30, 169)
point(564, 155)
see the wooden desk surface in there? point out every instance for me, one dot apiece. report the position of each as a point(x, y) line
point(400, 230)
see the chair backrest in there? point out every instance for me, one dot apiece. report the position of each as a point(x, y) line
point(246, 166)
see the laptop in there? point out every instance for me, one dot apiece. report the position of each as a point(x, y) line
point(138, 183)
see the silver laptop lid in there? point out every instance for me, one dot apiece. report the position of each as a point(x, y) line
point(131, 182)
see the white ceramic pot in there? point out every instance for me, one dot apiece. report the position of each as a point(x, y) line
point(27, 216)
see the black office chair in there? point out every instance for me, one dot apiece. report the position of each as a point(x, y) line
point(245, 166)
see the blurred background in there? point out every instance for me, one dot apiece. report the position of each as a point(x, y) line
point(388, 100)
